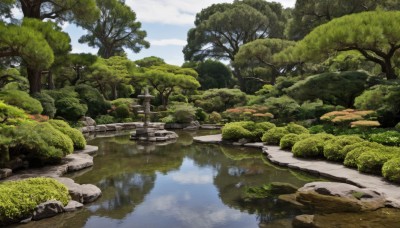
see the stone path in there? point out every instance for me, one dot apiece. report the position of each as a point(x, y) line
point(327, 169)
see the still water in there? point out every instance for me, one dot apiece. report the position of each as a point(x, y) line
point(181, 184)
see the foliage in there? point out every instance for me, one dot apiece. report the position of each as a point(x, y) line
point(47, 102)
point(12, 76)
point(289, 140)
point(21, 100)
point(296, 129)
point(391, 170)
point(214, 118)
point(19, 198)
point(254, 113)
point(213, 74)
point(383, 99)
point(346, 116)
point(74, 134)
point(370, 33)
point(220, 29)
point(245, 130)
point(333, 149)
point(178, 98)
point(255, 59)
point(122, 112)
point(219, 100)
point(10, 114)
point(201, 115)
point(105, 119)
point(314, 109)
point(311, 147)
point(334, 88)
point(283, 108)
point(67, 104)
point(389, 138)
point(116, 29)
point(273, 136)
point(372, 161)
point(181, 113)
point(95, 102)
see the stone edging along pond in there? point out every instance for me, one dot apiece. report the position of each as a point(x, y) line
point(330, 170)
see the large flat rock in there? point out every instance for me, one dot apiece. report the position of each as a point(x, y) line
point(214, 139)
point(85, 193)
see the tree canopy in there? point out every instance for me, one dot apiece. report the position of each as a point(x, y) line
point(375, 34)
point(116, 29)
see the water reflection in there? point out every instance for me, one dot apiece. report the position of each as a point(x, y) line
point(176, 185)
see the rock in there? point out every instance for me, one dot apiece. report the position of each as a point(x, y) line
point(111, 127)
point(87, 121)
point(303, 221)
point(85, 193)
point(47, 209)
point(4, 173)
point(79, 161)
point(331, 197)
point(73, 206)
point(385, 217)
point(91, 128)
point(101, 128)
point(25, 221)
point(282, 188)
point(243, 141)
point(291, 199)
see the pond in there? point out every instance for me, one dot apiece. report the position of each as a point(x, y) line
point(182, 184)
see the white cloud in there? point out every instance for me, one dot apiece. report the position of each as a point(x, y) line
point(192, 178)
point(176, 12)
point(168, 42)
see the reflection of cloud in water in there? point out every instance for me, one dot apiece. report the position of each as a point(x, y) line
point(209, 216)
point(192, 178)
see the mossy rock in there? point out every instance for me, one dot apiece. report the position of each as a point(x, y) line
point(19, 198)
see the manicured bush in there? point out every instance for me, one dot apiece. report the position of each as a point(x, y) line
point(296, 129)
point(265, 126)
point(333, 148)
point(122, 112)
point(183, 113)
point(74, 134)
point(178, 98)
point(289, 140)
point(94, 100)
point(11, 115)
point(235, 131)
point(372, 161)
point(105, 119)
point(19, 198)
point(391, 170)
point(201, 115)
point(274, 135)
point(54, 137)
point(311, 147)
point(283, 108)
point(388, 138)
point(68, 104)
point(220, 99)
point(214, 118)
point(21, 100)
point(352, 156)
point(256, 113)
point(315, 109)
point(49, 108)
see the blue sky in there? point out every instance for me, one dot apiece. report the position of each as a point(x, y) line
point(166, 23)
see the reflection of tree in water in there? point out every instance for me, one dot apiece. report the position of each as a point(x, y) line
point(244, 168)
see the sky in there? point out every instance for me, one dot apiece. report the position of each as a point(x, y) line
point(166, 23)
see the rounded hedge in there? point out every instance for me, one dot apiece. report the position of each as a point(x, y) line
point(235, 131)
point(372, 161)
point(75, 135)
point(70, 108)
point(289, 140)
point(49, 108)
point(266, 126)
point(389, 138)
point(391, 170)
point(311, 147)
point(122, 111)
point(273, 136)
point(333, 148)
point(296, 129)
point(21, 100)
point(19, 198)
point(54, 137)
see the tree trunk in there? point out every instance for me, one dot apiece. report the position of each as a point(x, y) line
point(241, 80)
point(114, 92)
point(388, 69)
point(31, 8)
point(34, 78)
point(50, 81)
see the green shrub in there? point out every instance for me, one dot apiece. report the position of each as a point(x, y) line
point(183, 113)
point(49, 108)
point(352, 156)
point(168, 119)
point(122, 112)
point(21, 100)
point(311, 147)
point(283, 108)
point(11, 115)
point(391, 170)
point(74, 134)
point(265, 126)
point(289, 140)
point(372, 161)
point(315, 109)
point(54, 137)
point(105, 119)
point(274, 135)
point(296, 129)
point(214, 117)
point(219, 100)
point(94, 100)
point(201, 115)
point(234, 132)
point(388, 138)
point(123, 101)
point(70, 108)
point(19, 198)
point(178, 98)
point(333, 148)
